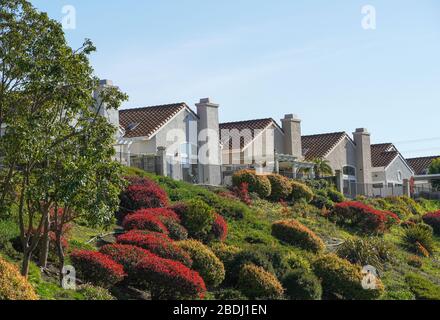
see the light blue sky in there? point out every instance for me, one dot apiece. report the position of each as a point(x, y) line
point(268, 58)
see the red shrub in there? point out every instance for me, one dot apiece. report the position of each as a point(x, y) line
point(156, 243)
point(126, 255)
point(161, 213)
point(169, 279)
point(362, 216)
point(97, 268)
point(433, 219)
point(220, 228)
point(144, 221)
point(142, 193)
point(242, 192)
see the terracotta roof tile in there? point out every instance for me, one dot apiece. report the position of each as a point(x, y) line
point(421, 165)
point(319, 145)
point(383, 154)
point(243, 130)
point(143, 122)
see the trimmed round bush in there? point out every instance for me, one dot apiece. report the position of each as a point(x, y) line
point(296, 261)
point(359, 215)
point(225, 253)
point(97, 268)
point(144, 221)
point(257, 283)
point(176, 231)
point(13, 286)
point(219, 228)
point(433, 219)
point(302, 285)
point(281, 187)
point(294, 233)
point(321, 201)
point(156, 243)
point(197, 217)
point(205, 262)
point(335, 196)
point(126, 255)
point(249, 256)
point(161, 213)
point(301, 191)
point(142, 193)
point(258, 184)
point(168, 279)
point(341, 278)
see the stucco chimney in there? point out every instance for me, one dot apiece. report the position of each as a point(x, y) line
point(362, 140)
point(292, 135)
point(209, 142)
point(112, 115)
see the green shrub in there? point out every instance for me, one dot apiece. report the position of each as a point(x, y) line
point(335, 196)
point(175, 230)
point(91, 293)
point(248, 256)
point(258, 184)
point(197, 218)
point(225, 253)
point(371, 251)
point(294, 233)
point(205, 262)
point(295, 261)
point(257, 283)
point(419, 239)
point(302, 285)
point(13, 286)
point(276, 258)
point(281, 187)
point(321, 201)
point(341, 278)
point(301, 191)
point(422, 288)
point(413, 206)
point(402, 212)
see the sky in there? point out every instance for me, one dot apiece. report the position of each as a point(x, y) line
point(261, 59)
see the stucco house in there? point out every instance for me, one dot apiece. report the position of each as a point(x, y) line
point(423, 180)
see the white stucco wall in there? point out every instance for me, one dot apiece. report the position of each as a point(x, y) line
point(343, 155)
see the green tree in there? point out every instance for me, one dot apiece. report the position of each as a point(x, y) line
point(322, 168)
point(434, 168)
point(56, 148)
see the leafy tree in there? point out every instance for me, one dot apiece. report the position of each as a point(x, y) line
point(322, 168)
point(56, 149)
point(435, 169)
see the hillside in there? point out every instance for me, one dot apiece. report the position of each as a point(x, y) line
point(307, 244)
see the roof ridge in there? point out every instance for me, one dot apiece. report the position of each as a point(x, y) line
point(251, 120)
point(325, 134)
point(426, 157)
point(178, 104)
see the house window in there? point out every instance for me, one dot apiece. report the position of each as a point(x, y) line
point(349, 171)
point(399, 176)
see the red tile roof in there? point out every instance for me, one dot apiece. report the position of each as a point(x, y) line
point(383, 154)
point(319, 145)
point(421, 165)
point(246, 131)
point(143, 122)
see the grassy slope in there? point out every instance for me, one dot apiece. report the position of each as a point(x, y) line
point(254, 229)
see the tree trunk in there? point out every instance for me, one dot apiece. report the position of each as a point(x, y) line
point(25, 264)
point(60, 253)
point(45, 242)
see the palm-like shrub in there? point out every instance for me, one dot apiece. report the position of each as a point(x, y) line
point(97, 268)
point(205, 262)
point(257, 283)
point(302, 285)
point(281, 187)
point(13, 286)
point(341, 278)
point(419, 239)
point(294, 233)
point(156, 243)
point(301, 191)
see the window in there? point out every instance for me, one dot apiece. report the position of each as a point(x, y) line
point(349, 171)
point(399, 175)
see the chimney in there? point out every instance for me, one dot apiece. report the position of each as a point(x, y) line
point(363, 161)
point(209, 143)
point(112, 115)
point(292, 136)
